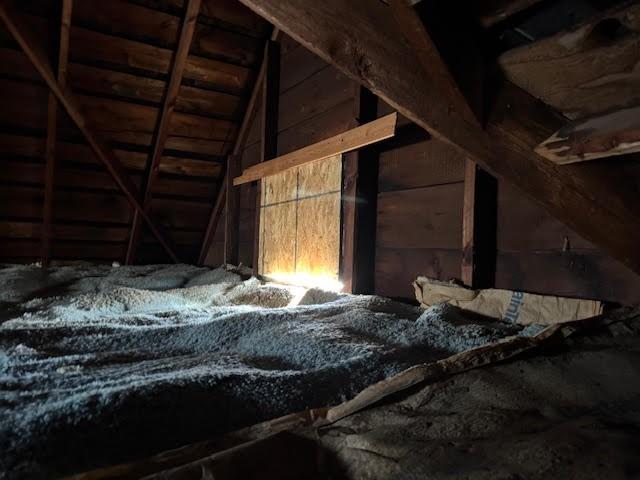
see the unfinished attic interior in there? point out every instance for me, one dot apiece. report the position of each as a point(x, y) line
point(300, 239)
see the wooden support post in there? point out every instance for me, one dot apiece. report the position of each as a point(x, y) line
point(243, 134)
point(479, 223)
point(269, 132)
point(164, 119)
point(359, 204)
point(52, 130)
point(39, 60)
point(232, 212)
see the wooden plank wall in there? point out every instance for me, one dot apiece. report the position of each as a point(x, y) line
point(120, 53)
point(315, 104)
point(419, 223)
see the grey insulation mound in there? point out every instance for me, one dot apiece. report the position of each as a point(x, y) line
point(103, 365)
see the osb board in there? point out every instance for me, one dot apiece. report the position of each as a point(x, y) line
point(320, 177)
point(318, 235)
point(304, 236)
point(279, 188)
point(278, 238)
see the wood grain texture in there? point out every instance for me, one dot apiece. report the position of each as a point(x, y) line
point(161, 132)
point(38, 58)
point(358, 137)
point(607, 135)
point(588, 70)
point(368, 48)
point(421, 218)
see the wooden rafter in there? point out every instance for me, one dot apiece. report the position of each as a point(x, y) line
point(429, 57)
point(164, 120)
point(52, 124)
point(241, 140)
point(268, 132)
point(38, 58)
point(362, 39)
point(607, 135)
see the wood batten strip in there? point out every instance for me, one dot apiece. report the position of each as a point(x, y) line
point(50, 145)
point(28, 42)
point(611, 134)
point(359, 137)
point(164, 120)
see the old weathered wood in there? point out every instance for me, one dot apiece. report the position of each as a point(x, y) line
point(362, 39)
point(239, 144)
point(268, 132)
point(588, 70)
point(429, 57)
point(52, 122)
point(353, 139)
point(232, 212)
point(162, 128)
point(359, 200)
point(607, 135)
point(103, 152)
point(479, 213)
point(495, 11)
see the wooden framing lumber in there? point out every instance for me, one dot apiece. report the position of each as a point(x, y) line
point(361, 38)
point(353, 139)
point(359, 204)
point(38, 58)
point(429, 57)
point(479, 224)
point(241, 140)
point(52, 130)
point(493, 12)
point(607, 135)
point(232, 213)
point(268, 132)
point(164, 120)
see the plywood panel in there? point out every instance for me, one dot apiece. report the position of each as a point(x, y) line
point(318, 236)
point(320, 177)
point(278, 238)
point(279, 188)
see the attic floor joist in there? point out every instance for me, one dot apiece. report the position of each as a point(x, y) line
point(362, 39)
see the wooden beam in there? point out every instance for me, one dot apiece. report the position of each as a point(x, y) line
point(38, 58)
point(241, 140)
point(614, 133)
point(361, 38)
point(164, 120)
point(479, 224)
point(232, 213)
point(52, 130)
point(585, 71)
point(493, 12)
point(359, 204)
point(353, 139)
point(430, 59)
point(269, 132)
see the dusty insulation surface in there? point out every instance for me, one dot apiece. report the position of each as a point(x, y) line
point(102, 365)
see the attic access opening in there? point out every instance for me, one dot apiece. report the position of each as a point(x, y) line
point(299, 233)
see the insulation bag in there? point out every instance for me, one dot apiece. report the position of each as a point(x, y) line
point(517, 307)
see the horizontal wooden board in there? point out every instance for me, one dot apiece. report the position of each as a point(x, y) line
point(430, 162)
point(396, 269)
point(428, 217)
point(584, 274)
point(62, 250)
point(523, 226)
point(353, 139)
